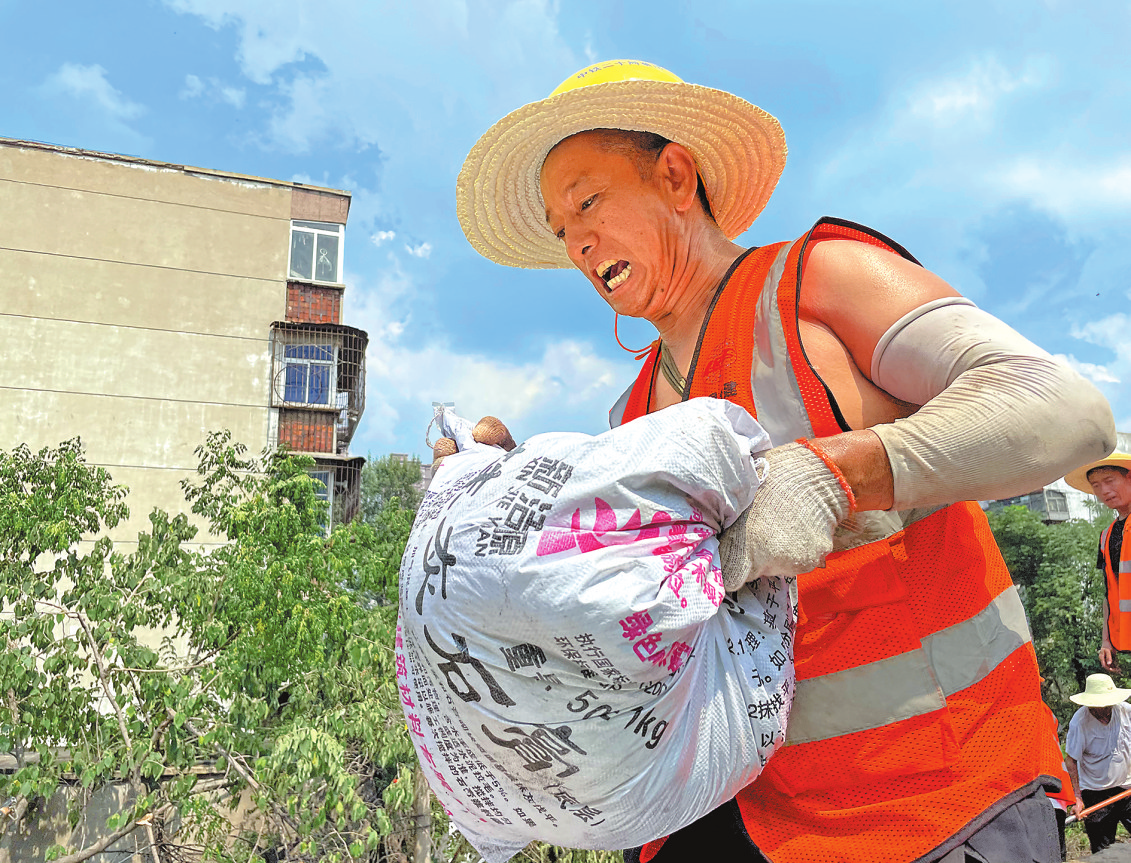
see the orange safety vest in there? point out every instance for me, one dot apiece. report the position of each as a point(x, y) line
point(917, 715)
point(1066, 794)
point(1118, 575)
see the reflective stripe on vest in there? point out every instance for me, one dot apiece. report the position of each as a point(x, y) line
point(912, 683)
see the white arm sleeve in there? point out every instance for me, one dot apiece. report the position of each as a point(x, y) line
point(999, 416)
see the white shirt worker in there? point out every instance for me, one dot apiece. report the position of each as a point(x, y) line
point(1102, 752)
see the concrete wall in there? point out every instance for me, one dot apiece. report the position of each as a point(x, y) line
point(135, 304)
point(48, 824)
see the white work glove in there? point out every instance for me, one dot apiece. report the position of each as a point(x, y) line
point(788, 528)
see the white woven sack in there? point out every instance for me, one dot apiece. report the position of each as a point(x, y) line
point(570, 668)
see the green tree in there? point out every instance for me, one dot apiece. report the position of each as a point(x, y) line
point(389, 478)
point(1054, 567)
point(274, 689)
point(277, 669)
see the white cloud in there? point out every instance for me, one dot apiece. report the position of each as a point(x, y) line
point(568, 379)
point(89, 84)
point(942, 137)
point(1109, 332)
point(1097, 374)
point(975, 92)
point(382, 236)
point(394, 287)
point(234, 96)
point(193, 87)
point(568, 385)
point(214, 89)
point(1069, 187)
point(409, 83)
point(422, 250)
point(588, 51)
point(941, 158)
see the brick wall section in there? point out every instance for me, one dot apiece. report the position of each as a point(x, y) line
point(307, 431)
point(319, 205)
point(313, 304)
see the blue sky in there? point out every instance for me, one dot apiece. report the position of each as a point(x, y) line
point(992, 139)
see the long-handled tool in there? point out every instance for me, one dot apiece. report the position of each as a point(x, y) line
point(1072, 819)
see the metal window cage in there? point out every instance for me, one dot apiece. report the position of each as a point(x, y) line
point(345, 496)
point(348, 394)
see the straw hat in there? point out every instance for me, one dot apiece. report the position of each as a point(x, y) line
point(1099, 691)
point(739, 149)
point(1079, 477)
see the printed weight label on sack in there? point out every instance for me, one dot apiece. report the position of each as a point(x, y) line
point(566, 654)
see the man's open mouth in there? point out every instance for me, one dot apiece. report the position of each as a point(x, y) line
point(614, 273)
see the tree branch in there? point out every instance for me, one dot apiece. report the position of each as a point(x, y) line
point(148, 822)
point(104, 679)
point(101, 845)
point(121, 669)
point(246, 775)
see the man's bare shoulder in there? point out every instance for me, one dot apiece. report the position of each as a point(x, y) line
point(858, 291)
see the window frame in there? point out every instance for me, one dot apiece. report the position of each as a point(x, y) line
point(307, 363)
point(315, 474)
point(285, 337)
point(1056, 501)
point(316, 229)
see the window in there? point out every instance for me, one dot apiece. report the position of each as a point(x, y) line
point(1057, 501)
point(308, 374)
point(316, 251)
point(323, 484)
point(324, 490)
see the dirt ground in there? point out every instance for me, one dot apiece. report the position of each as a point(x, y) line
point(1077, 841)
point(1120, 852)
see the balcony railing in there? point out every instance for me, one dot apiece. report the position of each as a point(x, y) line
point(320, 367)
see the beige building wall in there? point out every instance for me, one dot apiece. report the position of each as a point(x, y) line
point(135, 308)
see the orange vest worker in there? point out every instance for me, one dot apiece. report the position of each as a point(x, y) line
point(917, 714)
point(1118, 575)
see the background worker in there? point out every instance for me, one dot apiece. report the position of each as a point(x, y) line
point(1099, 757)
point(917, 731)
point(1109, 479)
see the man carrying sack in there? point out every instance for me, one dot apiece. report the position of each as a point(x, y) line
point(1099, 757)
point(917, 731)
point(1109, 479)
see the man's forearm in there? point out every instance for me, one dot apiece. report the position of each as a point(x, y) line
point(861, 457)
point(1106, 637)
point(1073, 774)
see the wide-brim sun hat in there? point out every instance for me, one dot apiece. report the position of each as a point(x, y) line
point(739, 149)
point(1079, 477)
point(1100, 691)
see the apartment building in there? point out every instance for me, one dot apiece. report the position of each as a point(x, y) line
point(144, 304)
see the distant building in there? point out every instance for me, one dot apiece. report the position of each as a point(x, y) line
point(1058, 501)
point(143, 305)
point(421, 485)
